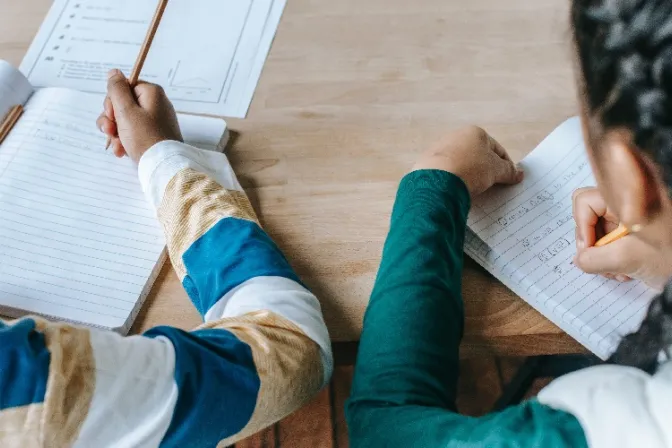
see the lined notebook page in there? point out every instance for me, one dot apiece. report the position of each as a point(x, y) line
point(525, 236)
point(78, 241)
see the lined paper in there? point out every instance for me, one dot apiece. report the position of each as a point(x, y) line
point(78, 240)
point(525, 236)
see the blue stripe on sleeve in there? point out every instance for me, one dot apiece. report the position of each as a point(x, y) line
point(217, 386)
point(24, 365)
point(230, 253)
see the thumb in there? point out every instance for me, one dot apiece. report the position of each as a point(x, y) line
point(611, 258)
point(120, 93)
point(507, 172)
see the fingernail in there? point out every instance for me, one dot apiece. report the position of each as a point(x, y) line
point(621, 278)
point(113, 72)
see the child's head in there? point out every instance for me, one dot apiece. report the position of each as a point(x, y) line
point(624, 52)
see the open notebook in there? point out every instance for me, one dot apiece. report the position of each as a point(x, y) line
point(78, 240)
point(525, 236)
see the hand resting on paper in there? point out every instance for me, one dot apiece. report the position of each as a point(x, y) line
point(625, 259)
point(473, 156)
point(136, 119)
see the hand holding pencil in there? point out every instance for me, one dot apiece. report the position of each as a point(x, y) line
point(142, 117)
point(139, 63)
point(606, 247)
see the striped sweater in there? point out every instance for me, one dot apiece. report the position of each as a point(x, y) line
point(262, 352)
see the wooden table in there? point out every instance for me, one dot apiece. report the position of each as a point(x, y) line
point(352, 92)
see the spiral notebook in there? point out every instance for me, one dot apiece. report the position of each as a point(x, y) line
point(525, 236)
point(78, 240)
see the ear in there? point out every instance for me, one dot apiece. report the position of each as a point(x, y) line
point(631, 181)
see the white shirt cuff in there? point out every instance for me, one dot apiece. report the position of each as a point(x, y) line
point(165, 159)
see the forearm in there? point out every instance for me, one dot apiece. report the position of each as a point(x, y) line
point(237, 277)
point(406, 376)
point(413, 325)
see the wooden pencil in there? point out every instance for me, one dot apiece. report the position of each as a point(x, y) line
point(10, 120)
point(620, 232)
point(144, 49)
point(147, 44)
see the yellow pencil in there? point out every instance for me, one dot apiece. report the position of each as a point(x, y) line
point(616, 235)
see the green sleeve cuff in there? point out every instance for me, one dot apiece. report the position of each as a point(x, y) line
point(434, 191)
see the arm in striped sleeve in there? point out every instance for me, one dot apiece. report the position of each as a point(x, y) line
point(262, 352)
point(239, 281)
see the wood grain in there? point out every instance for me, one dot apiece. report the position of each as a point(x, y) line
point(310, 427)
point(351, 93)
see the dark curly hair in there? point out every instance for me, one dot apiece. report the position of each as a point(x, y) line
point(625, 56)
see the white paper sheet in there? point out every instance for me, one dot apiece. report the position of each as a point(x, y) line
point(78, 240)
point(208, 54)
point(525, 236)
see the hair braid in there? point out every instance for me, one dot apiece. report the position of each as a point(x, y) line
point(625, 54)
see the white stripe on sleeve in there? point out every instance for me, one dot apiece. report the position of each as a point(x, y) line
point(135, 392)
point(165, 159)
point(284, 297)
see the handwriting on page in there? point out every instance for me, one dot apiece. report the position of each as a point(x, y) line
point(77, 239)
point(527, 234)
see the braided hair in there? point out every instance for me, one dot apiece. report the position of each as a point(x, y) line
point(625, 55)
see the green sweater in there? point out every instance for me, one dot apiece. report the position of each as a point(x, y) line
point(406, 376)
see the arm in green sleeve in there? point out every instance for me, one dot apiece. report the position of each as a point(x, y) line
point(406, 376)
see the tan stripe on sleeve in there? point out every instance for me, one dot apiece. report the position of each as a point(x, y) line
point(71, 383)
point(192, 204)
point(70, 387)
point(288, 364)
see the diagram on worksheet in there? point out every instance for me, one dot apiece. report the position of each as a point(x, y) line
point(207, 55)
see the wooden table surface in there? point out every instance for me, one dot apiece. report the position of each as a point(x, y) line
point(352, 91)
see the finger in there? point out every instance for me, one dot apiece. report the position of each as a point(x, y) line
point(106, 126)
point(617, 257)
point(507, 172)
point(499, 149)
point(109, 109)
point(148, 95)
point(117, 148)
point(580, 245)
point(588, 207)
point(120, 93)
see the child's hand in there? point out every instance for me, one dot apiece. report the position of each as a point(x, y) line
point(137, 119)
point(627, 258)
point(473, 156)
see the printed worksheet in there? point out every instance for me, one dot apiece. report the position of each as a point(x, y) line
point(525, 236)
point(208, 54)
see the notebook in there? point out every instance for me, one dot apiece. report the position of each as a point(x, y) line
point(525, 236)
point(78, 240)
point(207, 55)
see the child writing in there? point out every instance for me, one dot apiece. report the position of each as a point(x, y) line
point(406, 376)
point(263, 351)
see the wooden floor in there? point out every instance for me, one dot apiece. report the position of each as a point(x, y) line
point(321, 424)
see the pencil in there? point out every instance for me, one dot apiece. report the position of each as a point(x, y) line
point(616, 235)
point(144, 49)
point(10, 120)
